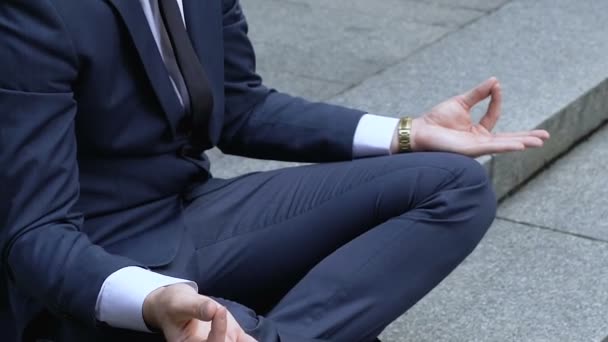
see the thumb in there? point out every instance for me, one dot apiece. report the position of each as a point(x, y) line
point(219, 325)
point(185, 304)
point(200, 307)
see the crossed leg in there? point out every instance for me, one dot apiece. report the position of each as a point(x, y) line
point(336, 251)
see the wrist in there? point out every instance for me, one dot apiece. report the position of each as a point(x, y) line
point(416, 125)
point(413, 144)
point(149, 310)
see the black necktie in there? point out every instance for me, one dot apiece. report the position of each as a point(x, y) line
point(201, 98)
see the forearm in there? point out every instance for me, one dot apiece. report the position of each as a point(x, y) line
point(60, 268)
point(292, 129)
point(262, 123)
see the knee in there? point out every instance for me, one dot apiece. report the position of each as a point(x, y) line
point(474, 178)
point(450, 186)
point(444, 186)
point(467, 171)
point(474, 201)
point(455, 195)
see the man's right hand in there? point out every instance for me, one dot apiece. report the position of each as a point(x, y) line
point(185, 316)
point(449, 127)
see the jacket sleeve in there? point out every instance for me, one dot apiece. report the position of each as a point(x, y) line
point(43, 251)
point(262, 123)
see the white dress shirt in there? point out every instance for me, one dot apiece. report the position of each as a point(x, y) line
point(120, 301)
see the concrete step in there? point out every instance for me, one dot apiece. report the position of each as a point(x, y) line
point(551, 58)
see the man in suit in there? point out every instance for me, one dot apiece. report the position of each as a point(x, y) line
point(112, 227)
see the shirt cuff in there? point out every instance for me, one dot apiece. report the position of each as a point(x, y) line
point(374, 135)
point(121, 299)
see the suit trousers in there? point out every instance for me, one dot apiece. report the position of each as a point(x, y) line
point(331, 252)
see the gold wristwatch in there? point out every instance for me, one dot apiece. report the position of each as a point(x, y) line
point(404, 134)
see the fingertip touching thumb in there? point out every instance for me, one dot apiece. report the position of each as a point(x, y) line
point(207, 309)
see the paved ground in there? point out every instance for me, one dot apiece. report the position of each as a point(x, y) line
point(320, 48)
point(540, 274)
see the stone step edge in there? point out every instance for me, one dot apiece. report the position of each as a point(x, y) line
point(567, 126)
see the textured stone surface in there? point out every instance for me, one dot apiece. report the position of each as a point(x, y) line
point(567, 126)
point(485, 5)
point(334, 44)
point(521, 284)
point(486, 161)
point(426, 12)
point(226, 166)
point(306, 87)
point(576, 184)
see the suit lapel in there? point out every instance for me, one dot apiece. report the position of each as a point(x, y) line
point(133, 16)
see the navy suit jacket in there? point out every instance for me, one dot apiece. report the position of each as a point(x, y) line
point(92, 169)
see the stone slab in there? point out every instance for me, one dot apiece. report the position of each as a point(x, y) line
point(227, 166)
point(521, 284)
point(304, 61)
point(549, 56)
point(567, 126)
point(328, 43)
point(306, 87)
point(424, 12)
point(483, 5)
point(577, 184)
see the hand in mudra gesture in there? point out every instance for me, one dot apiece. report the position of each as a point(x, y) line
point(449, 127)
point(185, 316)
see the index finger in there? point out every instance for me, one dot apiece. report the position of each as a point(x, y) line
point(492, 115)
point(479, 93)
